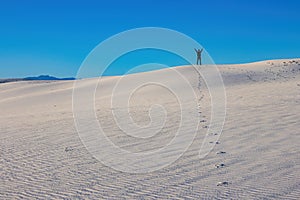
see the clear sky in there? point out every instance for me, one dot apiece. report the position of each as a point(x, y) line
point(53, 37)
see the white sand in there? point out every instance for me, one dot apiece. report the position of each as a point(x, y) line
point(42, 156)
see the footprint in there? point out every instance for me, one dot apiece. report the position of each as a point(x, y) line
point(217, 142)
point(222, 183)
point(202, 121)
point(67, 149)
point(221, 152)
point(220, 165)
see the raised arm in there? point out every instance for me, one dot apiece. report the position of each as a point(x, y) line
point(195, 50)
point(201, 50)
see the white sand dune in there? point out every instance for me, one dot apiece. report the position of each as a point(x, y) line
point(42, 156)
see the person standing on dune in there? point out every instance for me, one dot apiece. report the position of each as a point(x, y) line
point(198, 52)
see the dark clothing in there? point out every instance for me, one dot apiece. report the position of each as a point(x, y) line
point(198, 52)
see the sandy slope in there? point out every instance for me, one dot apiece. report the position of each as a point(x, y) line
point(42, 156)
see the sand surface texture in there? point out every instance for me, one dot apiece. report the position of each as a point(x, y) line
point(256, 157)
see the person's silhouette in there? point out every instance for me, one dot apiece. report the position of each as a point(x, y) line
point(198, 52)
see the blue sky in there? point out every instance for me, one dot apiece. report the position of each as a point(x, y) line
point(53, 37)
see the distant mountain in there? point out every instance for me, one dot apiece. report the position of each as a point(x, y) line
point(47, 77)
point(36, 78)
